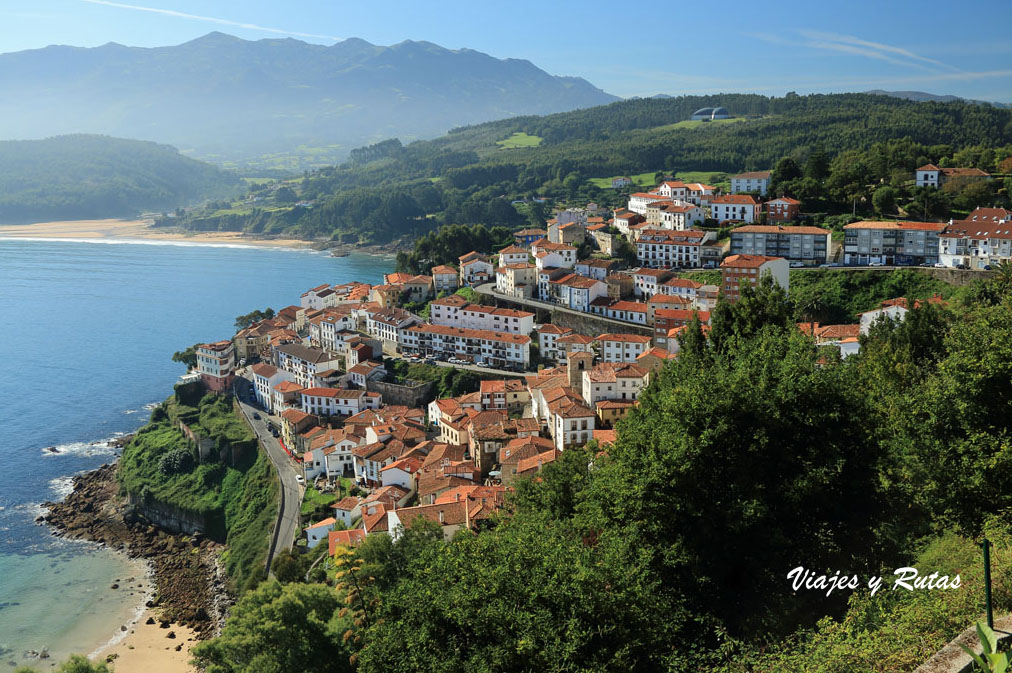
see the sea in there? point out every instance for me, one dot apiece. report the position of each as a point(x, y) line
point(89, 330)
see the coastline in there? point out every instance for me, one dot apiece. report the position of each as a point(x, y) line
point(143, 231)
point(138, 230)
point(187, 600)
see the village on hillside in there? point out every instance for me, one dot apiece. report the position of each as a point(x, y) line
point(560, 344)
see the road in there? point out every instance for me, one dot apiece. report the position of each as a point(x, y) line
point(288, 523)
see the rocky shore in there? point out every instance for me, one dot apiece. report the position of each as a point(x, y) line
point(190, 584)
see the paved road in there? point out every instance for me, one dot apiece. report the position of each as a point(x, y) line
point(288, 523)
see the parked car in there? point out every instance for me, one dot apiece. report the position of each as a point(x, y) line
point(299, 478)
point(875, 264)
point(710, 265)
point(987, 267)
point(796, 265)
point(825, 266)
point(430, 361)
point(939, 265)
point(256, 416)
point(962, 266)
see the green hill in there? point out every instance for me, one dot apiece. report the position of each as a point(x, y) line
point(389, 190)
point(87, 176)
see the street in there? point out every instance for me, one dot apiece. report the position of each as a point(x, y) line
point(287, 525)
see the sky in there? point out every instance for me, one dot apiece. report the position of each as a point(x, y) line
point(772, 47)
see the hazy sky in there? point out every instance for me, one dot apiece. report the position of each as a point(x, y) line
point(627, 49)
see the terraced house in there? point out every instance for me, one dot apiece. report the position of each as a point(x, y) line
point(903, 243)
point(496, 349)
point(808, 245)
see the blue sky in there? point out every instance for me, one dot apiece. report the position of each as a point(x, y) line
point(771, 47)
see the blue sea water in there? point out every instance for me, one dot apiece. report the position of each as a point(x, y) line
point(89, 331)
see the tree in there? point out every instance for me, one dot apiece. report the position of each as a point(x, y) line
point(817, 166)
point(527, 595)
point(361, 602)
point(188, 357)
point(244, 321)
point(277, 629)
point(285, 194)
point(736, 468)
point(884, 200)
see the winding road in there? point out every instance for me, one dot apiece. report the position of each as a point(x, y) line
point(287, 525)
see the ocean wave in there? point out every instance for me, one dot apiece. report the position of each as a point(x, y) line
point(62, 486)
point(102, 447)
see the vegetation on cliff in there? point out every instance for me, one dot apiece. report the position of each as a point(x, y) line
point(236, 501)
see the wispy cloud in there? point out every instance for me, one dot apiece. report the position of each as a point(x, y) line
point(856, 46)
point(210, 19)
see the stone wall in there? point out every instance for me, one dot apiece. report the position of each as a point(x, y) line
point(588, 324)
point(417, 395)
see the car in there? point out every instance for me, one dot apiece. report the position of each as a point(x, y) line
point(962, 266)
point(987, 267)
point(275, 433)
point(710, 265)
point(430, 361)
point(299, 478)
point(825, 266)
point(256, 416)
point(875, 264)
point(480, 363)
point(939, 265)
point(796, 265)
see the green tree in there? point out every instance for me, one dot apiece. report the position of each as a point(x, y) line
point(278, 629)
point(75, 664)
point(285, 194)
point(188, 357)
point(884, 200)
point(736, 469)
point(244, 321)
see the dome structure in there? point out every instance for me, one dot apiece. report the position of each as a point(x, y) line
point(710, 113)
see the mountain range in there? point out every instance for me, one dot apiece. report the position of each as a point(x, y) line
point(223, 98)
point(921, 96)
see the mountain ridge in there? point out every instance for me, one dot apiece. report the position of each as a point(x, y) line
point(224, 98)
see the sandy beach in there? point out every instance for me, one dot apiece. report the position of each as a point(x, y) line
point(136, 230)
point(147, 648)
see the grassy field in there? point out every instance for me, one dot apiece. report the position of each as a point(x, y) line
point(519, 139)
point(648, 178)
point(688, 124)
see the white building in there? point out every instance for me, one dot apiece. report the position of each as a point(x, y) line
point(608, 381)
point(750, 182)
point(548, 254)
point(318, 532)
point(337, 401)
point(388, 324)
point(475, 269)
point(304, 362)
point(455, 311)
point(734, 208)
point(495, 349)
point(513, 254)
point(984, 238)
point(265, 377)
point(661, 248)
point(216, 365)
point(577, 292)
point(622, 347)
point(548, 335)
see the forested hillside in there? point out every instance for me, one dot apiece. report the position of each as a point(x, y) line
point(861, 142)
point(85, 176)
